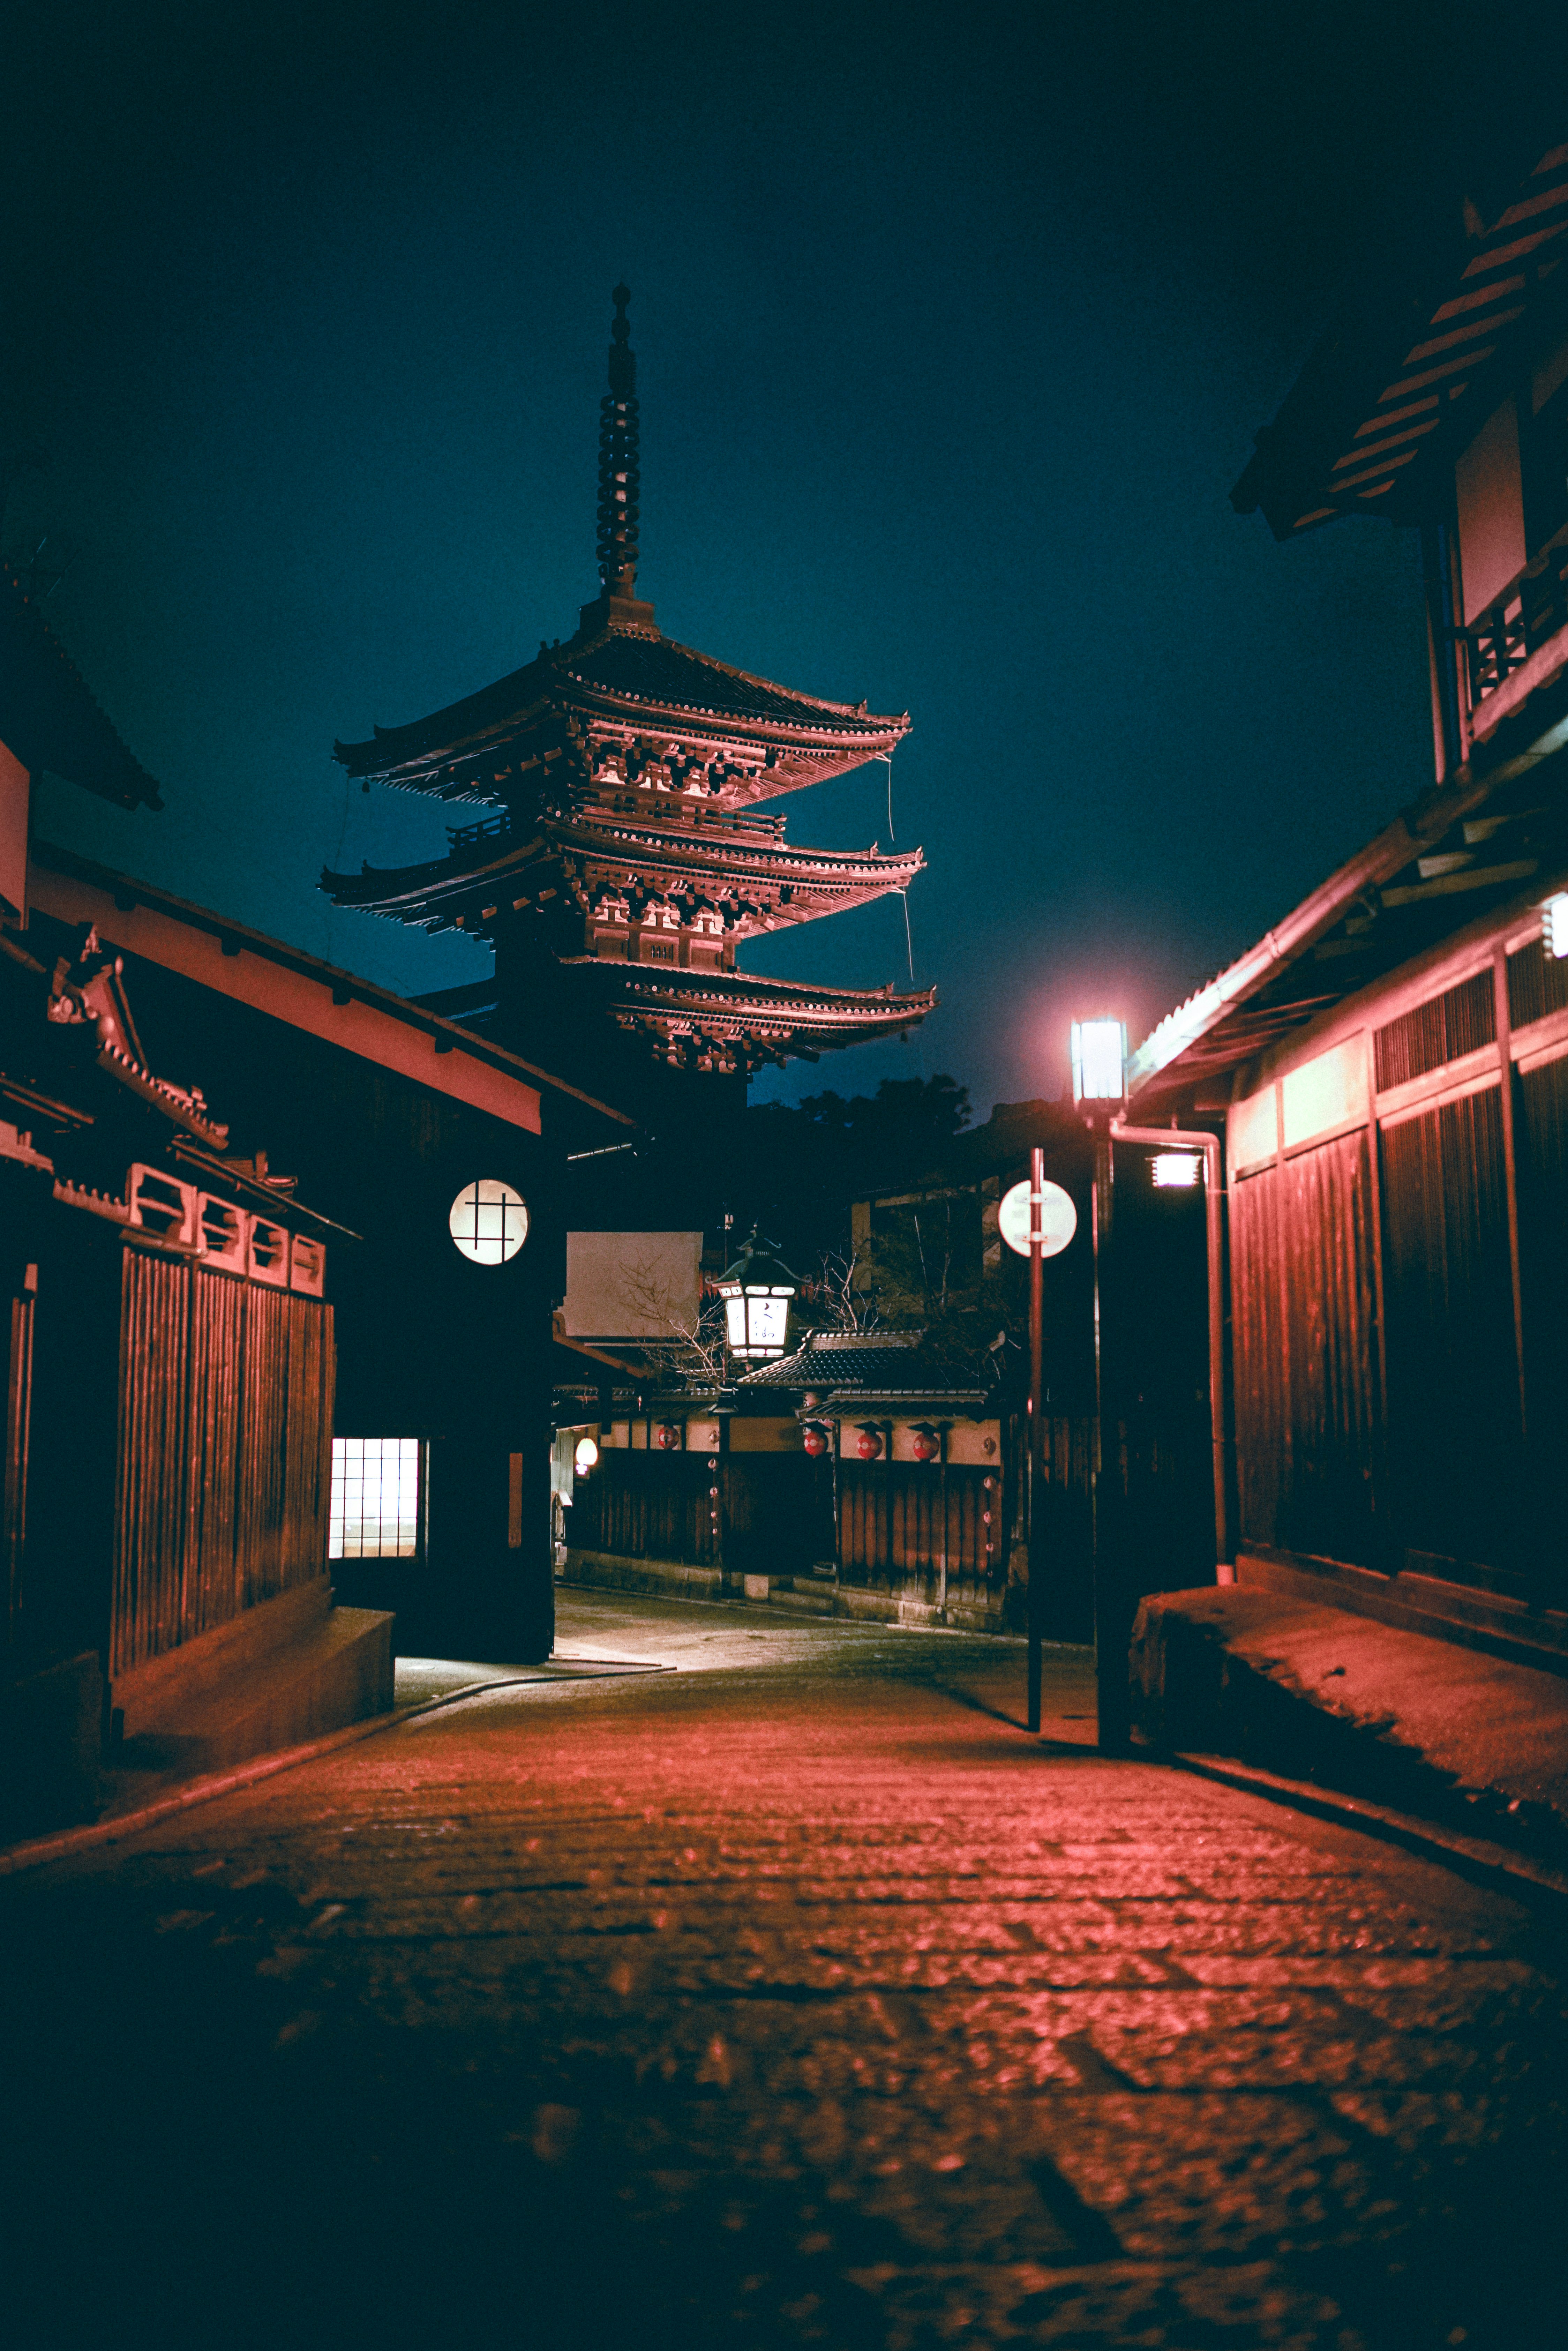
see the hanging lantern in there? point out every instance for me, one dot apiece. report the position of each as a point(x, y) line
point(667, 1436)
point(757, 1290)
point(869, 1446)
point(585, 1456)
point(814, 1437)
point(924, 1441)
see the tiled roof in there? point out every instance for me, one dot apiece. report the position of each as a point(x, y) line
point(637, 666)
point(48, 718)
point(657, 670)
point(779, 1007)
point(879, 1363)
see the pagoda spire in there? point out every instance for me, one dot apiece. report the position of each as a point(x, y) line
point(618, 473)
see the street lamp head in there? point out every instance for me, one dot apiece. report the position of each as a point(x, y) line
point(756, 1290)
point(1100, 1061)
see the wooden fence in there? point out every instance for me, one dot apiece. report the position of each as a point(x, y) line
point(943, 1534)
point(225, 1451)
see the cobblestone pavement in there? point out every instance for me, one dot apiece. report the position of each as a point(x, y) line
point(793, 1998)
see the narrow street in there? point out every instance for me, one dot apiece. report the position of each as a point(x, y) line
point(793, 1996)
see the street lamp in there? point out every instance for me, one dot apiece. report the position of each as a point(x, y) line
point(1182, 1160)
point(1099, 1088)
point(1100, 1061)
point(757, 1290)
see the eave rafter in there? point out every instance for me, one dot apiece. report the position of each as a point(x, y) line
point(1367, 425)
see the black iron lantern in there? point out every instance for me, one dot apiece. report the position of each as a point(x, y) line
point(757, 1290)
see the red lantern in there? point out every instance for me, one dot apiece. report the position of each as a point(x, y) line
point(667, 1436)
point(814, 1437)
point(925, 1442)
point(870, 1442)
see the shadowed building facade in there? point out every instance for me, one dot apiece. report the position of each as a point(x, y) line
point(1389, 1064)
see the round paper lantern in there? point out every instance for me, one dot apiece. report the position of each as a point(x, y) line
point(869, 1445)
point(924, 1441)
point(667, 1436)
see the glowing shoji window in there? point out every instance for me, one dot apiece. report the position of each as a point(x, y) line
point(376, 1498)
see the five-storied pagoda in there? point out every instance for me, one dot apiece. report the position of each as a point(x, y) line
point(626, 857)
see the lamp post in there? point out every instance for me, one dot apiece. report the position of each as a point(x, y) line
point(1100, 1090)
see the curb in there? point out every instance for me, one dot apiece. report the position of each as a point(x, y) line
point(778, 1604)
point(63, 1842)
point(1476, 1858)
point(17, 1857)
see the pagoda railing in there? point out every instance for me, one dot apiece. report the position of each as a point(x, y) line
point(743, 821)
point(1531, 610)
point(463, 838)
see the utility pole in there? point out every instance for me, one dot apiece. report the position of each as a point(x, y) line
point(1036, 1425)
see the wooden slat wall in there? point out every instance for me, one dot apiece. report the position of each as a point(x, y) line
point(776, 1517)
point(218, 1324)
point(1542, 1133)
point(1256, 1306)
point(149, 1593)
point(1303, 1305)
point(645, 1506)
point(225, 1443)
point(895, 1518)
point(1453, 1390)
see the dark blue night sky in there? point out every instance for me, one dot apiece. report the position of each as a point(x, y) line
point(953, 334)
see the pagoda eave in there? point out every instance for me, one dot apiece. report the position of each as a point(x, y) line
point(739, 1022)
point(588, 865)
point(650, 692)
point(688, 858)
point(749, 999)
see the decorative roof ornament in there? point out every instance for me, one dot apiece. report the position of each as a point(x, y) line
point(618, 472)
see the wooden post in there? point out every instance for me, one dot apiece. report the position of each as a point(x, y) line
point(1036, 1427)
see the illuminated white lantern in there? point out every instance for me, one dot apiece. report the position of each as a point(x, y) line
point(757, 1290)
point(1100, 1061)
point(1176, 1171)
point(1554, 926)
point(489, 1222)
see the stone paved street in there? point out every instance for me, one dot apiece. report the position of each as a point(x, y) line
point(792, 1997)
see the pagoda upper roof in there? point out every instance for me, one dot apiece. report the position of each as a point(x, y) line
point(620, 670)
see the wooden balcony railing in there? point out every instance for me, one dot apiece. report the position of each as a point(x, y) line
point(1530, 610)
point(461, 839)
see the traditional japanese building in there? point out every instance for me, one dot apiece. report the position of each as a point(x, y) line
point(623, 855)
point(1389, 1063)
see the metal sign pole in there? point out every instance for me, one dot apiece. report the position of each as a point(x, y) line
point(1036, 1220)
point(1036, 1426)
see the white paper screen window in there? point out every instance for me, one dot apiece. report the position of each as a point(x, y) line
point(376, 1498)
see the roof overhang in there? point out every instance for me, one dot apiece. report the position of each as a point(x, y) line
point(298, 989)
point(1286, 980)
point(1421, 348)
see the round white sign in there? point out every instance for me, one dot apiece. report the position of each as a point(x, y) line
point(489, 1222)
point(1058, 1220)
